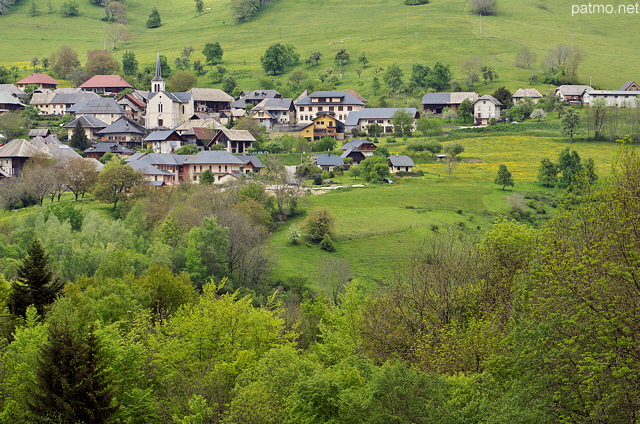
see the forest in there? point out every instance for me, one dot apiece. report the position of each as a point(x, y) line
point(169, 312)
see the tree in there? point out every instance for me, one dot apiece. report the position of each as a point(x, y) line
point(547, 173)
point(596, 115)
point(504, 177)
point(374, 168)
point(393, 78)
point(465, 110)
point(79, 175)
point(439, 77)
point(363, 60)
point(489, 74)
point(129, 63)
point(188, 149)
point(242, 10)
point(538, 114)
point(34, 63)
point(453, 149)
point(419, 74)
point(69, 8)
point(570, 122)
point(199, 6)
point(100, 62)
point(229, 84)
point(471, 68)
point(402, 122)
point(207, 177)
point(34, 9)
point(154, 20)
point(213, 53)
point(482, 7)
point(72, 384)
point(570, 165)
point(12, 124)
point(114, 182)
point(429, 126)
point(40, 176)
point(342, 56)
point(314, 58)
point(449, 114)
point(277, 57)
point(375, 85)
point(115, 32)
point(504, 96)
point(64, 60)
point(525, 58)
point(115, 11)
point(182, 81)
point(320, 222)
point(35, 282)
point(79, 139)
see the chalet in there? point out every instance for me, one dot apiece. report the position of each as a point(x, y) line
point(358, 150)
point(151, 174)
point(104, 109)
point(338, 103)
point(89, 124)
point(14, 154)
point(105, 84)
point(209, 100)
point(163, 141)
point(61, 100)
point(135, 104)
point(435, 103)
point(252, 164)
point(13, 90)
point(8, 102)
point(235, 141)
point(219, 162)
point(252, 98)
point(328, 161)
point(324, 124)
point(523, 93)
point(100, 149)
point(123, 131)
point(274, 111)
point(573, 94)
point(630, 86)
point(39, 80)
point(382, 116)
point(400, 163)
point(486, 108)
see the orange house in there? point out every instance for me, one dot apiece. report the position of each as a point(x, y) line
point(322, 125)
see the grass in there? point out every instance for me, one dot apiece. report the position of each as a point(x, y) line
point(387, 30)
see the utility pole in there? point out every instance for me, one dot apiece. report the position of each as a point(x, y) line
point(480, 22)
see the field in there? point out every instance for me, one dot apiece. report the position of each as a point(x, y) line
point(378, 227)
point(387, 30)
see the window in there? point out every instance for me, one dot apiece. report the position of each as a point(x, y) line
point(349, 108)
point(340, 108)
point(301, 108)
point(159, 107)
point(319, 108)
point(331, 108)
point(219, 168)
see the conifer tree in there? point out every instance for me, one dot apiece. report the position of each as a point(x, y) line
point(71, 383)
point(504, 177)
point(154, 20)
point(79, 139)
point(36, 284)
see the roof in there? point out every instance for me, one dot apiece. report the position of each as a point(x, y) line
point(376, 113)
point(189, 124)
point(274, 104)
point(147, 168)
point(8, 98)
point(123, 125)
point(60, 151)
point(210, 95)
point(237, 135)
point(357, 95)
point(203, 133)
point(327, 159)
point(242, 101)
point(625, 86)
point(302, 95)
point(573, 90)
point(19, 148)
point(104, 147)
point(133, 99)
point(255, 161)
point(213, 157)
point(38, 79)
point(613, 93)
point(450, 98)
point(100, 105)
point(10, 88)
point(72, 98)
point(345, 98)
point(491, 99)
point(161, 158)
point(401, 160)
point(42, 132)
point(87, 121)
point(349, 151)
point(355, 144)
point(99, 81)
point(527, 92)
point(160, 135)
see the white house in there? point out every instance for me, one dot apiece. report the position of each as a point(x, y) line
point(381, 116)
point(486, 108)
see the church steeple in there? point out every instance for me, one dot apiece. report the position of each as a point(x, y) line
point(157, 83)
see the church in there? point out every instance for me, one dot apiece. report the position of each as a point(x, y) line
point(167, 110)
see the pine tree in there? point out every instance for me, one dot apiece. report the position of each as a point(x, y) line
point(154, 20)
point(36, 284)
point(79, 139)
point(71, 383)
point(504, 177)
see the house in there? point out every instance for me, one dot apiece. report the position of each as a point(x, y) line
point(253, 98)
point(485, 108)
point(199, 136)
point(105, 84)
point(382, 116)
point(358, 150)
point(435, 103)
point(163, 141)
point(338, 103)
point(135, 104)
point(274, 111)
point(8, 102)
point(14, 154)
point(151, 174)
point(100, 149)
point(60, 101)
point(328, 161)
point(252, 164)
point(57, 150)
point(89, 124)
point(622, 98)
point(39, 132)
point(39, 80)
point(12, 89)
point(230, 115)
point(573, 94)
point(209, 100)
point(104, 109)
point(235, 141)
point(220, 162)
point(172, 163)
point(324, 124)
point(630, 86)
point(400, 163)
point(530, 93)
point(125, 132)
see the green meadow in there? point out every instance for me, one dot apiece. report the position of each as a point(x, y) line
point(386, 30)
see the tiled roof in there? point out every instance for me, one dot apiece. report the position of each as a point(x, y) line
point(401, 160)
point(345, 98)
point(213, 157)
point(159, 135)
point(100, 105)
point(453, 98)
point(147, 168)
point(376, 113)
point(527, 92)
point(8, 98)
point(10, 88)
point(123, 125)
point(203, 133)
point(573, 90)
point(99, 81)
point(327, 159)
point(38, 79)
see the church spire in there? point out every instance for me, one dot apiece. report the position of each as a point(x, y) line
point(157, 83)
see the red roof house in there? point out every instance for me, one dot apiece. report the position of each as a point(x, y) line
point(41, 80)
point(105, 84)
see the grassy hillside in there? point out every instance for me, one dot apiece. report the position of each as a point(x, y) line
point(387, 30)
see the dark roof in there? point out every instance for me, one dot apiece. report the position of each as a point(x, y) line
point(87, 121)
point(401, 160)
point(160, 135)
point(274, 104)
point(8, 98)
point(626, 85)
point(327, 159)
point(355, 144)
point(123, 125)
point(242, 101)
point(42, 132)
point(146, 168)
point(104, 147)
point(100, 105)
point(255, 161)
point(213, 157)
point(99, 81)
point(451, 98)
point(72, 98)
point(376, 113)
point(180, 97)
point(345, 98)
point(163, 158)
point(203, 133)
point(491, 99)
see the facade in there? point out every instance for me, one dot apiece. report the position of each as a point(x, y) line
point(400, 163)
point(219, 162)
point(486, 108)
point(104, 109)
point(435, 103)
point(270, 112)
point(613, 98)
point(61, 100)
point(14, 154)
point(325, 124)
point(523, 93)
point(171, 163)
point(125, 132)
point(381, 116)
point(89, 124)
point(252, 164)
point(39, 80)
point(573, 94)
point(337, 103)
point(163, 141)
point(235, 141)
point(134, 104)
point(105, 84)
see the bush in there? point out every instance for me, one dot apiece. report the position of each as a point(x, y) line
point(319, 223)
point(415, 2)
point(317, 179)
point(294, 234)
point(327, 243)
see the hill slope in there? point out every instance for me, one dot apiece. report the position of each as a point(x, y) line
point(387, 30)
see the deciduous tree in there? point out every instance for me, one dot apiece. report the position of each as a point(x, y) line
point(100, 62)
point(64, 60)
point(504, 177)
point(213, 53)
point(114, 182)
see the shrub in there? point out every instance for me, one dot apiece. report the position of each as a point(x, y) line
point(294, 234)
point(317, 179)
point(319, 222)
point(327, 243)
point(415, 2)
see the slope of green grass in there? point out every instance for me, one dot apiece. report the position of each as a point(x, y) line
point(387, 30)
